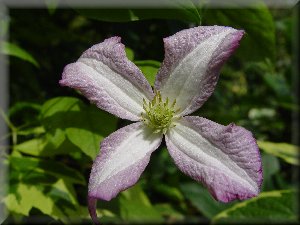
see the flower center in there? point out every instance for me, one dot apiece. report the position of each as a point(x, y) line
point(159, 114)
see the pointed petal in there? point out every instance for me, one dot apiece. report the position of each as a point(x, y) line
point(123, 157)
point(193, 59)
point(92, 205)
point(225, 158)
point(107, 78)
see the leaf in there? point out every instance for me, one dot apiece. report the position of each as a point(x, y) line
point(84, 125)
point(278, 83)
point(202, 200)
point(136, 207)
point(63, 190)
point(15, 50)
point(176, 10)
point(129, 53)
point(271, 166)
point(149, 69)
point(167, 211)
point(269, 207)
point(32, 130)
point(259, 41)
point(288, 152)
point(20, 106)
point(49, 144)
point(169, 191)
point(27, 165)
point(26, 197)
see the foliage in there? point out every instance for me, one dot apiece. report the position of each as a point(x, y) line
point(55, 133)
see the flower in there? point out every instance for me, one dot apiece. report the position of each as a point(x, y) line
point(225, 159)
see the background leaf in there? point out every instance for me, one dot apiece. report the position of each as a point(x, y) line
point(149, 69)
point(14, 50)
point(26, 197)
point(289, 153)
point(268, 207)
point(136, 207)
point(27, 165)
point(177, 10)
point(271, 166)
point(259, 40)
point(202, 200)
point(84, 125)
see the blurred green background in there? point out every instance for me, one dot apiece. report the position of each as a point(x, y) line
point(54, 132)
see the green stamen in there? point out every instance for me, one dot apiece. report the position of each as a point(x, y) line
point(158, 114)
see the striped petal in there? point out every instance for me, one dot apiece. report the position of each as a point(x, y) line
point(193, 59)
point(107, 78)
point(225, 159)
point(123, 157)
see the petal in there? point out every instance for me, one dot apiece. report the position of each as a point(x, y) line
point(193, 59)
point(123, 157)
point(107, 78)
point(225, 158)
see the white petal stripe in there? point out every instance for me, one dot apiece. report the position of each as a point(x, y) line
point(183, 82)
point(229, 152)
point(119, 151)
point(122, 91)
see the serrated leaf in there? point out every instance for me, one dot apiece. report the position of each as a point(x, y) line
point(149, 69)
point(26, 197)
point(269, 207)
point(202, 200)
point(288, 152)
point(14, 50)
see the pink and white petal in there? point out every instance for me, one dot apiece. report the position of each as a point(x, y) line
point(225, 159)
point(107, 78)
point(123, 157)
point(193, 59)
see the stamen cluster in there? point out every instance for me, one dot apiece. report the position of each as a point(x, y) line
point(159, 114)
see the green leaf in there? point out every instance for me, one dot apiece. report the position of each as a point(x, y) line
point(168, 212)
point(271, 166)
point(202, 199)
point(149, 69)
point(26, 197)
point(129, 53)
point(269, 207)
point(108, 14)
point(84, 125)
point(136, 207)
point(288, 152)
point(14, 50)
point(51, 143)
point(259, 40)
point(20, 106)
point(63, 190)
point(177, 10)
point(168, 191)
point(27, 165)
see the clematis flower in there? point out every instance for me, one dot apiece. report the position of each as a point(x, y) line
point(225, 159)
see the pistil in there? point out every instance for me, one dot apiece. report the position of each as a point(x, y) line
point(159, 114)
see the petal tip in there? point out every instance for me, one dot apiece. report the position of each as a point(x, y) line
point(92, 204)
